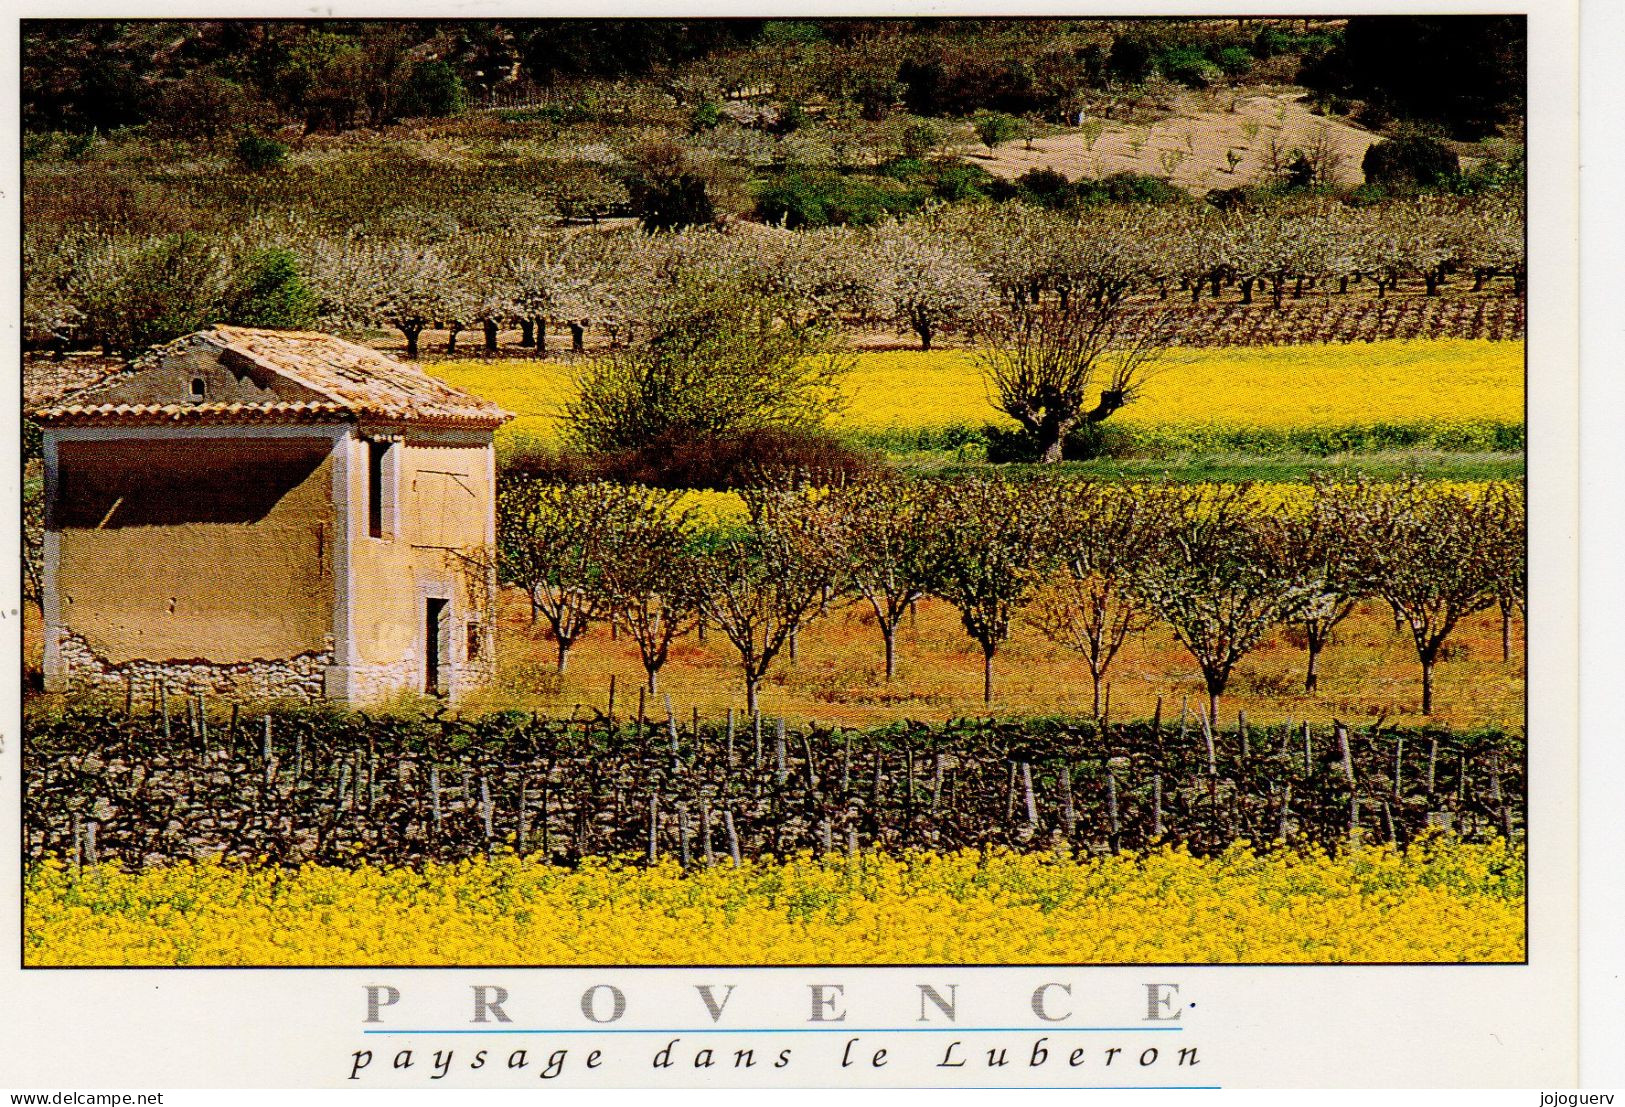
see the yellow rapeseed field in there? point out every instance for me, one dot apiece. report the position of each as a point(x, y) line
point(1435, 901)
point(1407, 382)
point(1271, 386)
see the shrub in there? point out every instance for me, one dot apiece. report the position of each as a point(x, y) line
point(829, 199)
point(718, 359)
point(995, 128)
point(920, 138)
point(1233, 61)
point(1132, 188)
point(705, 116)
point(1410, 160)
point(1186, 65)
point(268, 291)
point(1130, 60)
point(260, 152)
point(434, 89)
point(955, 183)
point(667, 205)
point(1047, 188)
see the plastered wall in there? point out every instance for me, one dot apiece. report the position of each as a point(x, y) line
point(216, 549)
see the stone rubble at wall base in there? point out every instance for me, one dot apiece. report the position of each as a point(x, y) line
point(297, 677)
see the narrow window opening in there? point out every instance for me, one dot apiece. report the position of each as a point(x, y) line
point(375, 487)
point(200, 390)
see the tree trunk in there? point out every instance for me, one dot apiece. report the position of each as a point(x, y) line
point(578, 337)
point(1095, 677)
point(451, 337)
point(987, 675)
point(1247, 291)
point(923, 329)
point(1427, 686)
point(564, 653)
point(889, 631)
point(411, 333)
point(1342, 286)
point(1506, 632)
point(750, 696)
point(541, 336)
point(491, 337)
point(527, 333)
point(1051, 440)
point(654, 680)
point(1316, 644)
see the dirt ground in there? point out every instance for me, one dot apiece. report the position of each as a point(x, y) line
point(1194, 147)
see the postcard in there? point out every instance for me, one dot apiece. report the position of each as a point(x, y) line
point(794, 551)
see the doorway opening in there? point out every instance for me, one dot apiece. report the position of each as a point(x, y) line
point(436, 639)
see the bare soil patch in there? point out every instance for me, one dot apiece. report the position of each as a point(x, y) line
point(1227, 140)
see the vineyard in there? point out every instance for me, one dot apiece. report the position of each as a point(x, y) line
point(290, 789)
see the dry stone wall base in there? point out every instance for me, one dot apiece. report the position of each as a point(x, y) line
point(297, 677)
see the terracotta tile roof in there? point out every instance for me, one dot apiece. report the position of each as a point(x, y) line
point(48, 381)
point(151, 414)
point(352, 379)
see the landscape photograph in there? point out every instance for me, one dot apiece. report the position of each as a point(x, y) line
point(774, 492)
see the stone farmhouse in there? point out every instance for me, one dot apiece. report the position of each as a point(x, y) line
point(262, 513)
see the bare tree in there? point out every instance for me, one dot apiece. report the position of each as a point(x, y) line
point(1512, 566)
point(991, 544)
point(879, 534)
point(1435, 554)
point(1090, 605)
point(651, 577)
point(1221, 579)
point(761, 584)
point(1052, 367)
point(920, 281)
point(1319, 552)
point(554, 542)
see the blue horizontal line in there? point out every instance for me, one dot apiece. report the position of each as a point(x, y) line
point(813, 1030)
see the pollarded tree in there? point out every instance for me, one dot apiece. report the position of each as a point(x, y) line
point(1053, 367)
point(879, 534)
point(991, 543)
point(761, 583)
point(1435, 554)
point(1219, 575)
point(650, 576)
point(554, 542)
point(1103, 537)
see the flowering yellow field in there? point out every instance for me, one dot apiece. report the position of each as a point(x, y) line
point(1271, 386)
point(1441, 901)
point(1407, 382)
